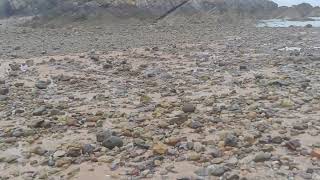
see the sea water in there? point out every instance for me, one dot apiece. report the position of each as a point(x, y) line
point(287, 23)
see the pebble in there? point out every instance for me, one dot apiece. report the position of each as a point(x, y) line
point(112, 142)
point(103, 134)
point(39, 111)
point(4, 90)
point(262, 156)
point(41, 84)
point(188, 108)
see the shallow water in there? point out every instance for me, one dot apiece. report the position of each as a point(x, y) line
point(288, 23)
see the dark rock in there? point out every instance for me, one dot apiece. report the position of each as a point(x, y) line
point(308, 26)
point(87, 149)
point(277, 140)
point(36, 123)
point(231, 140)
point(293, 144)
point(243, 67)
point(107, 66)
point(112, 142)
point(188, 108)
point(4, 91)
point(73, 152)
point(42, 84)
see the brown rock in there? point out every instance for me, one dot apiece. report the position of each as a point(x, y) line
point(315, 153)
point(159, 148)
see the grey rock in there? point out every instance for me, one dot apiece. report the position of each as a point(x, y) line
point(87, 149)
point(39, 111)
point(202, 172)
point(3, 98)
point(179, 119)
point(262, 156)
point(195, 124)
point(112, 142)
point(103, 134)
point(4, 91)
point(277, 140)
point(231, 140)
point(188, 108)
point(215, 170)
point(36, 123)
point(42, 84)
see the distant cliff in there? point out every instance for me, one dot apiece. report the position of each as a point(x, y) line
point(151, 8)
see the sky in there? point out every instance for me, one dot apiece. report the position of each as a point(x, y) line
point(293, 2)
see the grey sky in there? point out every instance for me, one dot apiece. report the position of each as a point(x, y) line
point(293, 2)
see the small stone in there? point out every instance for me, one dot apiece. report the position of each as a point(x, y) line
point(243, 67)
point(73, 152)
point(252, 115)
point(41, 84)
point(202, 172)
point(39, 151)
point(233, 177)
point(103, 134)
point(179, 119)
point(231, 140)
point(262, 156)
point(193, 156)
point(188, 108)
point(277, 140)
point(3, 98)
point(308, 26)
point(293, 144)
point(315, 153)
point(286, 103)
point(4, 91)
point(39, 111)
point(62, 162)
point(159, 148)
point(216, 170)
point(112, 142)
point(36, 123)
point(11, 158)
point(198, 147)
point(87, 149)
point(59, 154)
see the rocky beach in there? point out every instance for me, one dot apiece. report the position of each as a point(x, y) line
point(181, 98)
